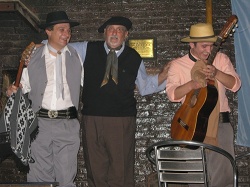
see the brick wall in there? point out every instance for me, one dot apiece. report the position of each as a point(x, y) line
point(166, 20)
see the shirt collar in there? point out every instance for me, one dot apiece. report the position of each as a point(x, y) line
point(118, 52)
point(192, 57)
point(46, 50)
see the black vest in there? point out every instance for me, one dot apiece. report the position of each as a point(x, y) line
point(111, 99)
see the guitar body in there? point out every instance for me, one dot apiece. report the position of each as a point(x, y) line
point(191, 119)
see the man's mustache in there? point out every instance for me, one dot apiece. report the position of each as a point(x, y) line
point(114, 37)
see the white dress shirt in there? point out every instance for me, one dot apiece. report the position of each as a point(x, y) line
point(50, 101)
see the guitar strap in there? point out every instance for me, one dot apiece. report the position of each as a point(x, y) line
point(213, 121)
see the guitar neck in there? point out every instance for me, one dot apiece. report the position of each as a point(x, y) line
point(19, 73)
point(216, 48)
point(27, 52)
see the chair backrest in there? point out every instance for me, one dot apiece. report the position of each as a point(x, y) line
point(183, 161)
point(242, 155)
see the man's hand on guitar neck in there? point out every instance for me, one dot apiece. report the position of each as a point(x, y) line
point(210, 71)
point(12, 89)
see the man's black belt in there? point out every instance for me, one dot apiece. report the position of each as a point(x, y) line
point(69, 113)
point(224, 117)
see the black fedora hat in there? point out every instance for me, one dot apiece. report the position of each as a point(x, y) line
point(116, 20)
point(57, 17)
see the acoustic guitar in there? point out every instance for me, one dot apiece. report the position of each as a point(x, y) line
point(5, 138)
point(191, 119)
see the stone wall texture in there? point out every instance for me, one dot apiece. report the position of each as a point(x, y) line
point(165, 20)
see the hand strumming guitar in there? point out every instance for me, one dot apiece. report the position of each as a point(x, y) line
point(197, 73)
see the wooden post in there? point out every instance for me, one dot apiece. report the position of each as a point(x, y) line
point(209, 11)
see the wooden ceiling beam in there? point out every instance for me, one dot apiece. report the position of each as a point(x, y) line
point(17, 5)
point(209, 11)
point(7, 7)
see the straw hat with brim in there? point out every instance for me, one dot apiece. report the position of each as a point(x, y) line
point(116, 20)
point(56, 18)
point(201, 32)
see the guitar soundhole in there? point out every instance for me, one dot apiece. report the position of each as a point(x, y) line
point(193, 100)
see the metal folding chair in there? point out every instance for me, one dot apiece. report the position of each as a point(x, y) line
point(184, 162)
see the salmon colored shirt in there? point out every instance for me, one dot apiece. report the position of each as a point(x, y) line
point(179, 74)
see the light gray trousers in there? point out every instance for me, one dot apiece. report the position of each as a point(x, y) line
point(55, 152)
point(220, 172)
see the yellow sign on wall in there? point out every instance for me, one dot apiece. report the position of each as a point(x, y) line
point(145, 47)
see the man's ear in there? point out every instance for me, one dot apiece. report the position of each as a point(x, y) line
point(48, 32)
point(191, 44)
point(126, 36)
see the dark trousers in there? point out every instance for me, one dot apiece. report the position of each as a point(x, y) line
point(109, 150)
point(5, 151)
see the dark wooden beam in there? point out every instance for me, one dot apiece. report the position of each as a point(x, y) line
point(7, 7)
point(209, 11)
point(17, 5)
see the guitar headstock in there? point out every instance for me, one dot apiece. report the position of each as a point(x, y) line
point(25, 56)
point(27, 51)
point(229, 27)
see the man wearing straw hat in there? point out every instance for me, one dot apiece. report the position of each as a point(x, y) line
point(191, 72)
point(52, 79)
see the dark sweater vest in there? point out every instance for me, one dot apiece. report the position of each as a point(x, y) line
point(111, 99)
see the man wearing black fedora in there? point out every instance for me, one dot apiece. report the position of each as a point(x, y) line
point(112, 70)
point(52, 81)
point(190, 72)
